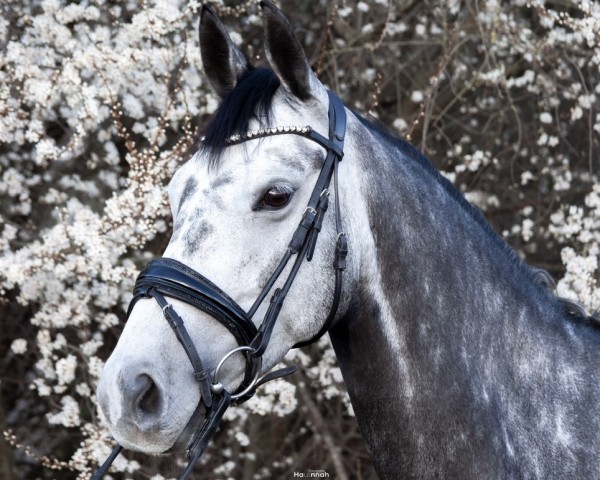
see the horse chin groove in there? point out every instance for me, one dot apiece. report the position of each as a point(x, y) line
point(186, 437)
point(131, 438)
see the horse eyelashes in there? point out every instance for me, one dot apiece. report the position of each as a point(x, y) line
point(275, 198)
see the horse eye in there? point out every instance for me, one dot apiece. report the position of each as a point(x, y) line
point(275, 198)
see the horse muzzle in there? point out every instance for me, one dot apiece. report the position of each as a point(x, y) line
point(138, 409)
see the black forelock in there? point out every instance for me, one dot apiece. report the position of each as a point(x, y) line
point(251, 99)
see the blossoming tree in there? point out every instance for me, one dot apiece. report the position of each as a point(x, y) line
point(101, 101)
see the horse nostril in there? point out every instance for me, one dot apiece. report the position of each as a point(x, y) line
point(142, 396)
point(148, 401)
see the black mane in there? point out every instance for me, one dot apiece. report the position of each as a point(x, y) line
point(251, 99)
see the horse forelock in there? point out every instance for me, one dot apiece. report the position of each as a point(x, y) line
point(250, 100)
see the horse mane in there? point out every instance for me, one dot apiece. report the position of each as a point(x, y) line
point(251, 99)
point(536, 276)
point(409, 151)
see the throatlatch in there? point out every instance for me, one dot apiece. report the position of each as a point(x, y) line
point(168, 278)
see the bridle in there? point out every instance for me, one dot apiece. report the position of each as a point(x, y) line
point(165, 277)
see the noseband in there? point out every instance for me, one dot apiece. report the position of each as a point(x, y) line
point(166, 278)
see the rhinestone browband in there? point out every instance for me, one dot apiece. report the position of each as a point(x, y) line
point(264, 132)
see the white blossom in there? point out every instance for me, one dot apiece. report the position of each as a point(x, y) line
point(242, 438)
point(80, 209)
point(576, 112)
point(545, 117)
point(65, 369)
point(416, 96)
point(19, 346)
point(527, 229)
point(362, 7)
point(69, 416)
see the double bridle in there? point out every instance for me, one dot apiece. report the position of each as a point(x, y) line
point(165, 277)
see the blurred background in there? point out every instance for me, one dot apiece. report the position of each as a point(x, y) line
point(100, 102)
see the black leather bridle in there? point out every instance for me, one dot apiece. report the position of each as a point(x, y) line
point(168, 278)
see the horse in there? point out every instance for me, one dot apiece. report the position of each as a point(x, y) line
point(459, 360)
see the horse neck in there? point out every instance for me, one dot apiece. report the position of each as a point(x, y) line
point(445, 318)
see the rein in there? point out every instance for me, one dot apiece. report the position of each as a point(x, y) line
point(166, 278)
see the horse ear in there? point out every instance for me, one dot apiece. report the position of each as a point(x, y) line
point(223, 62)
point(284, 52)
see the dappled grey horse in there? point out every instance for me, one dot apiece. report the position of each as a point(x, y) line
point(459, 360)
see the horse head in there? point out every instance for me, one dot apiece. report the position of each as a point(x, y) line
point(247, 209)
